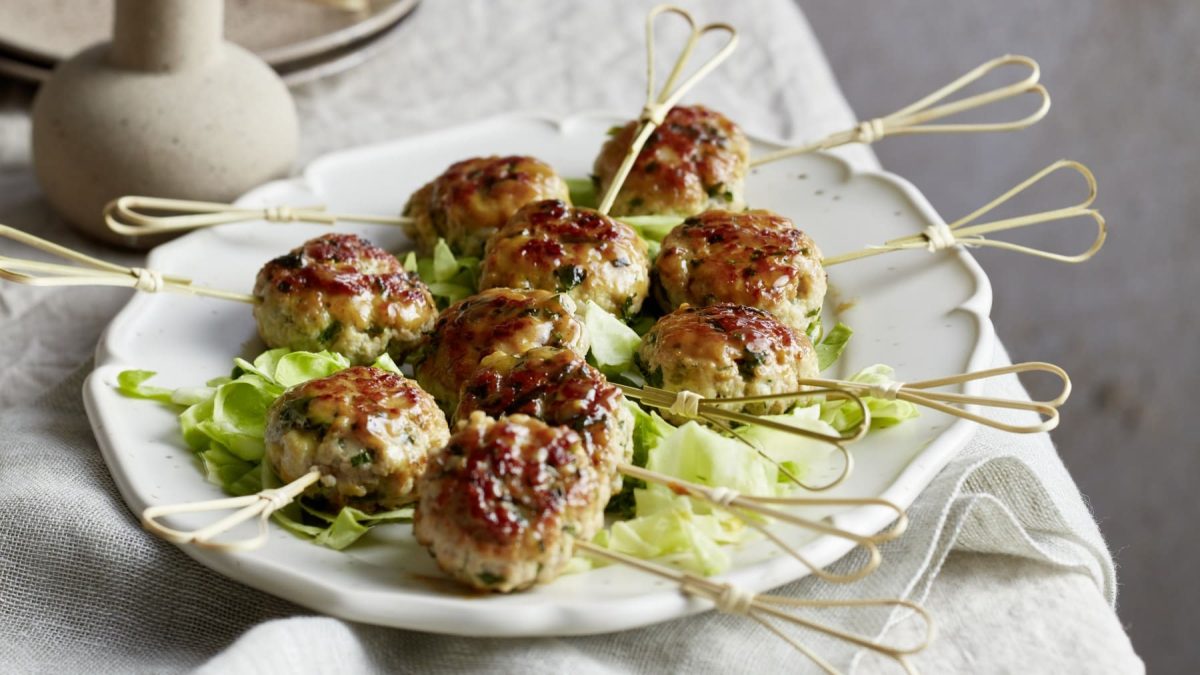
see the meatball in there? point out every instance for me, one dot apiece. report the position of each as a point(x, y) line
point(580, 252)
point(496, 320)
point(474, 197)
point(502, 503)
point(754, 258)
point(558, 387)
point(727, 351)
point(695, 160)
point(370, 433)
point(342, 293)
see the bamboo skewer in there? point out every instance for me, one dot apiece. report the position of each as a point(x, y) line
point(939, 235)
point(260, 505)
point(765, 609)
point(919, 393)
point(133, 215)
point(91, 271)
point(658, 104)
point(915, 118)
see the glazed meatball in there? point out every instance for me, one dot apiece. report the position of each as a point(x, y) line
point(695, 160)
point(558, 387)
point(727, 351)
point(370, 433)
point(496, 320)
point(474, 197)
point(340, 292)
point(580, 252)
point(754, 258)
point(502, 503)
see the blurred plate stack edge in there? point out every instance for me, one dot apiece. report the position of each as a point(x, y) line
point(302, 40)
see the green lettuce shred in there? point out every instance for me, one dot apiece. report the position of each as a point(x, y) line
point(132, 383)
point(832, 344)
point(648, 430)
point(613, 342)
point(450, 278)
point(652, 229)
point(583, 192)
point(675, 528)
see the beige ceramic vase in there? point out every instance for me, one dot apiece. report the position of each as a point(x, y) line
point(167, 109)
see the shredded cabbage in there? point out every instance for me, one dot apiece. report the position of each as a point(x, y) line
point(583, 192)
point(831, 345)
point(449, 278)
point(613, 342)
point(652, 229)
point(689, 533)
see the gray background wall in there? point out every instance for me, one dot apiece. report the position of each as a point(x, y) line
point(1125, 80)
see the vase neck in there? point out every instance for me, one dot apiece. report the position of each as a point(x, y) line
point(165, 35)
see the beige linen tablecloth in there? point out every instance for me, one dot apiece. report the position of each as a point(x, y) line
point(1002, 547)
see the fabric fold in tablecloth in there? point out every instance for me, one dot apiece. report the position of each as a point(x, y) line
point(83, 588)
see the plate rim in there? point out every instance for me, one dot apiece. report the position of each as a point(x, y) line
point(556, 619)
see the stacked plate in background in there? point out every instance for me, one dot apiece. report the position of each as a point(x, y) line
point(301, 39)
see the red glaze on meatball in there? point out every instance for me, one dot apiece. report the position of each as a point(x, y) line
point(342, 293)
point(558, 387)
point(555, 247)
point(754, 258)
point(695, 160)
point(496, 320)
point(502, 503)
point(369, 432)
point(475, 197)
point(727, 351)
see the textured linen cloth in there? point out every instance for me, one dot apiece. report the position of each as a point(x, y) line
point(1001, 547)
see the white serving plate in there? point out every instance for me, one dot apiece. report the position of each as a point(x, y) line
point(924, 314)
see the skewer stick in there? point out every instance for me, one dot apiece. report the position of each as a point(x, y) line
point(691, 405)
point(134, 215)
point(766, 609)
point(749, 509)
point(91, 271)
point(919, 393)
point(915, 118)
point(260, 505)
point(660, 103)
point(939, 235)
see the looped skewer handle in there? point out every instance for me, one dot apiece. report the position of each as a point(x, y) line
point(691, 405)
point(747, 507)
point(915, 118)
point(93, 271)
point(767, 609)
point(135, 215)
point(260, 505)
point(694, 406)
point(940, 236)
point(658, 104)
point(919, 393)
